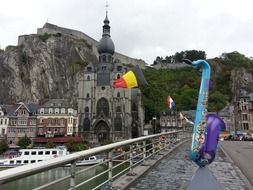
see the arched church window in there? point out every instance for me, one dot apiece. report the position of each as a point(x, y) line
point(118, 94)
point(86, 109)
point(100, 58)
point(88, 78)
point(103, 106)
point(134, 107)
point(118, 109)
point(119, 68)
point(86, 124)
point(104, 58)
point(118, 124)
point(109, 58)
point(87, 95)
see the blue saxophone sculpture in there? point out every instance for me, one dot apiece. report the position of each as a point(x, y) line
point(207, 127)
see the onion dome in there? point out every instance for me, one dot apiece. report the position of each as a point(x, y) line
point(106, 44)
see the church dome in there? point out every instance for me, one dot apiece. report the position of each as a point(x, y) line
point(106, 45)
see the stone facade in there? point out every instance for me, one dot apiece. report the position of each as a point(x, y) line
point(170, 65)
point(106, 113)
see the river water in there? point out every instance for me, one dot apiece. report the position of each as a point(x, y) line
point(33, 181)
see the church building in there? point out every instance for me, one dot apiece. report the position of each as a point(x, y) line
point(106, 113)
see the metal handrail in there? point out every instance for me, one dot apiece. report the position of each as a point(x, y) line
point(27, 170)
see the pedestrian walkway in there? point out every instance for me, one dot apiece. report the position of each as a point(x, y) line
point(174, 172)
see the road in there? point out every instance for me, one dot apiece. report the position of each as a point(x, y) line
point(241, 152)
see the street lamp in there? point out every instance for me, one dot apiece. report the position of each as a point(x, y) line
point(154, 121)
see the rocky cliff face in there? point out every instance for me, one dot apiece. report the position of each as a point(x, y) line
point(43, 66)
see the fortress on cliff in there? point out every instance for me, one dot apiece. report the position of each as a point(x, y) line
point(54, 29)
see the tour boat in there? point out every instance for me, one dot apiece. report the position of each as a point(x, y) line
point(29, 156)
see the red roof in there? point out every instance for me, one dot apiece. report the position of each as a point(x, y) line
point(57, 139)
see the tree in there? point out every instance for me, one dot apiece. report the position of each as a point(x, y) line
point(24, 142)
point(194, 55)
point(50, 144)
point(3, 145)
point(74, 146)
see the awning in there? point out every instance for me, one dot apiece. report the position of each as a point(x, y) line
point(57, 139)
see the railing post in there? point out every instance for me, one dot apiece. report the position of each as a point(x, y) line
point(131, 158)
point(73, 175)
point(110, 167)
point(144, 150)
point(131, 173)
point(153, 146)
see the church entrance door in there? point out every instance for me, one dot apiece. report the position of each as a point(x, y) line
point(102, 131)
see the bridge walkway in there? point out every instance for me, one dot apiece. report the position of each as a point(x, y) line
point(175, 171)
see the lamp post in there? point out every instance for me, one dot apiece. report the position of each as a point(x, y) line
point(154, 121)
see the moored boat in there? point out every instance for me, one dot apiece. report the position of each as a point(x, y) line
point(35, 155)
point(88, 161)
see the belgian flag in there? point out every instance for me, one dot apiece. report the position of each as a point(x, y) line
point(132, 79)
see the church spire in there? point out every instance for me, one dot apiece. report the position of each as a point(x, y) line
point(106, 27)
point(106, 45)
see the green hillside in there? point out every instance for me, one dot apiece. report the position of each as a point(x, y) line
point(183, 85)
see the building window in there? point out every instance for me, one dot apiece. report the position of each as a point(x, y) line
point(88, 95)
point(89, 69)
point(88, 78)
point(33, 122)
point(21, 122)
point(62, 110)
point(118, 124)
point(134, 107)
point(119, 68)
point(118, 94)
point(118, 109)
point(70, 111)
point(244, 117)
point(40, 130)
point(118, 76)
point(41, 110)
point(23, 112)
point(50, 110)
point(103, 106)
point(56, 110)
point(86, 124)
point(86, 109)
point(245, 126)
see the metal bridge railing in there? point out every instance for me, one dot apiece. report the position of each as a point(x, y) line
point(136, 151)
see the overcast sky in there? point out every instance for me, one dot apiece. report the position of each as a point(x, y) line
point(140, 28)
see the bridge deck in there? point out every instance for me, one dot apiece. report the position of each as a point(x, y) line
point(175, 171)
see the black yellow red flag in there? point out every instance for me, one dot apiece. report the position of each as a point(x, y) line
point(132, 79)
